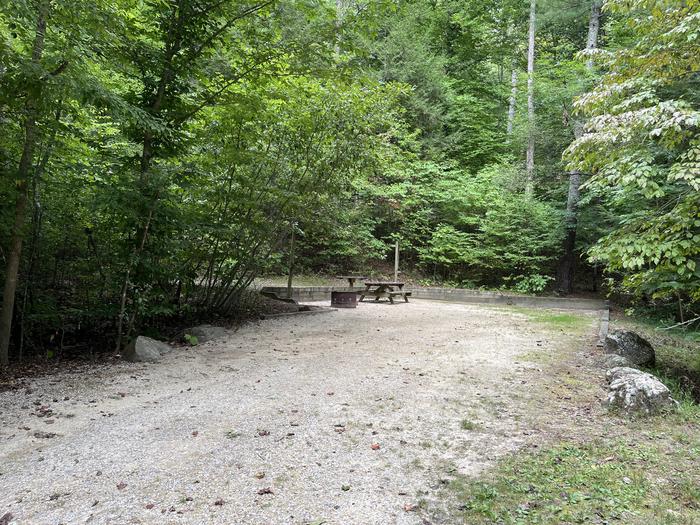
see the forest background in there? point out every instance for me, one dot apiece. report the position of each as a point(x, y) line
point(155, 155)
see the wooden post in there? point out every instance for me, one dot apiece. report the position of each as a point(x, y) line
point(396, 262)
point(291, 263)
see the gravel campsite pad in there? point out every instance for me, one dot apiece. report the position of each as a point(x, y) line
point(349, 417)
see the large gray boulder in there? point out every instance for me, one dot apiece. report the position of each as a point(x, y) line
point(634, 392)
point(145, 350)
point(207, 332)
point(631, 346)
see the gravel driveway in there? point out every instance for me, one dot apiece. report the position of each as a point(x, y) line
point(354, 417)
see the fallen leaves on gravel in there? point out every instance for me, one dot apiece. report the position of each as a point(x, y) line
point(219, 502)
point(195, 433)
point(410, 507)
point(43, 435)
point(259, 475)
point(266, 490)
point(263, 433)
point(376, 446)
point(121, 485)
point(6, 518)
point(149, 506)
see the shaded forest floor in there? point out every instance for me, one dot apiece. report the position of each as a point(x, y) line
point(416, 413)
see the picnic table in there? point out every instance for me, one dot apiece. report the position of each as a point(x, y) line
point(384, 290)
point(352, 278)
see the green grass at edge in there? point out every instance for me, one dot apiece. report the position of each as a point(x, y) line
point(593, 483)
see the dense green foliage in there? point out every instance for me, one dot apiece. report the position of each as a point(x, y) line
point(155, 155)
point(643, 148)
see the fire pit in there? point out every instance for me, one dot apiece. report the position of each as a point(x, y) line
point(344, 299)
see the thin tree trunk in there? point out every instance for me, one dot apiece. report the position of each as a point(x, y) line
point(23, 173)
point(593, 29)
point(291, 262)
point(530, 156)
point(511, 101)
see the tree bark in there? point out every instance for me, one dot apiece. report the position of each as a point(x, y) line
point(31, 109)
point(511, 101)
point(593, 30)
point(530, 155)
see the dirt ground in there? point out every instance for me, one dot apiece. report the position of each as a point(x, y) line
point(349, 417)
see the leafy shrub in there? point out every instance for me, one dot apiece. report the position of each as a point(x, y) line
point(529, 284)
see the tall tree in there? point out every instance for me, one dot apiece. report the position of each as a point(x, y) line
point(567, 263)
point(182, 41)
point(530, 154)
point(34, 83)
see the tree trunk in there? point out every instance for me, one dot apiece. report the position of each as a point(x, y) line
point(23, 174)
point(567, 263)
point(530, 156)
point(568, 260)
point(593, 29)
point(291, 262)
point(511, 101)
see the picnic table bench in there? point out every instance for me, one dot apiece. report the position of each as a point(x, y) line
point(384, 290)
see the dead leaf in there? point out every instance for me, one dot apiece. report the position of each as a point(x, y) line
point(6, 518)
point(376, 446)
point(266, 490)
point(195, 433)
point(263, 433)
point(410, 507)
point(219, 502)
point(149, 506)
point(121, 485)
point(260, 475)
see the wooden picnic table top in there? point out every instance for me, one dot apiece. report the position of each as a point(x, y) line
point(356, 277)
point(383, 283)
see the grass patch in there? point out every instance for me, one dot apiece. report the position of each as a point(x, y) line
point(593, 483)
point(559, 320)
point(556, 320)
point(468, 424)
